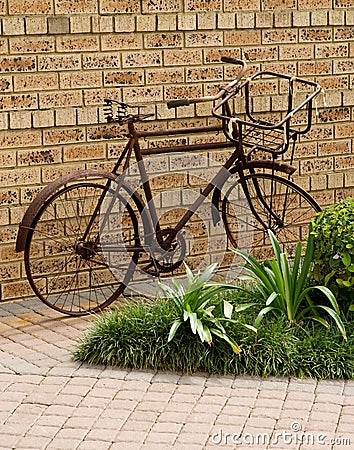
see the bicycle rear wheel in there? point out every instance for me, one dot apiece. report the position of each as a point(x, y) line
point(274, 203)
point(74, 263)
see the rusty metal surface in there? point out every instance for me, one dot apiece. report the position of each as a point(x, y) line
point(46, 193)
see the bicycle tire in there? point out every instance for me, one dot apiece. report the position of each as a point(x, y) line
point(68, 272)
point(284, 207)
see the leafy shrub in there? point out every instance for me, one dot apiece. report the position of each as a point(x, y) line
point(200, 305)
point(135, 336)
point(283, 286)
point(333, 231)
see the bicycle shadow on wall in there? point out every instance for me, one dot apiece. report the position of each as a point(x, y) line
point(90, 234)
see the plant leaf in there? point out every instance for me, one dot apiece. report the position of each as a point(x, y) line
point(228, 308)
point(173, 329)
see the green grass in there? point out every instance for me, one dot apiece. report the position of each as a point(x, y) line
point(136, 336)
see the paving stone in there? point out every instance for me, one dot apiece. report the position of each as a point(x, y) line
point(49, 401)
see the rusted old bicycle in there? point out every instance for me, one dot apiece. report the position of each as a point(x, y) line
point(88, 233)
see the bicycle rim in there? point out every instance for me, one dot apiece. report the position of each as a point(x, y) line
point(273, 203)
point(64, 261)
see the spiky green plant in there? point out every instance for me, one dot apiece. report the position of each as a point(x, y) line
point(283, 286)
point(200, 305)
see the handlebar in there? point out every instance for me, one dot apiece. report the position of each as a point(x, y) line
point(188, 101)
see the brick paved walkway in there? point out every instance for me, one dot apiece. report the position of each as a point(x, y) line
point(47, 401)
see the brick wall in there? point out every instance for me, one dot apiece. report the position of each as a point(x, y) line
point(59, 59)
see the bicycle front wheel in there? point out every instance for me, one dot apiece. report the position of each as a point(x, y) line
point(75, 263)
point(264, 201)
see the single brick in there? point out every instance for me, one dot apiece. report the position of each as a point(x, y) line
point(245, 20)
point(336, 17)
point(7, 158)
point(310, 4)
point(101, 61)
point(343, 66)
point(204, 74)
point(63, 136)
point(103, 24)
point(20, 119)
point(20, 139)
point(36, 25)
point(319, 17)
point(5, 84)
point(59, 62)
point(175, 92)
point(315, 35)
point(122, 24)
point(203, 5)
point(8, 197)
point(163, 40)
point(344, 34)
point(334, 83)
point(141, 59)
point(3, 46)
point(77, 44)
point(282, 19)
point(301, 19)
point(166, 22)
point(120, 78)
point(238, 5)
point(316, 165)
point(60, 99)
point(334, 115)
point(31, 7)
point(36, 82)
point(42, 118)
point(264, 19)
point(80, 24)
point(58, 25)
point(335, 180)
point(261, 53)
point(123, 6)
point(20, 176)
point(17, 64)
point(226, 20)
point(242, 37)
point(333, 147)
point(206, 21)
point(32, 45)
point(13, 26)
point(84, 152)
point(39, 157)
point(65, 117)
point(141, 94)
point(81, 79)
point(275, 4)
point(121, 41)
point(183, 57)
point(166, 75)
point(52, 172)
point(305, 51)
point(201, 39)
point(344, 130)
point(146, 22)
point(331, 50)
point(87, 115)
point(344, 162)
point(18, 102)
point(279, 36)
point(150, 6)
point(77, 7)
